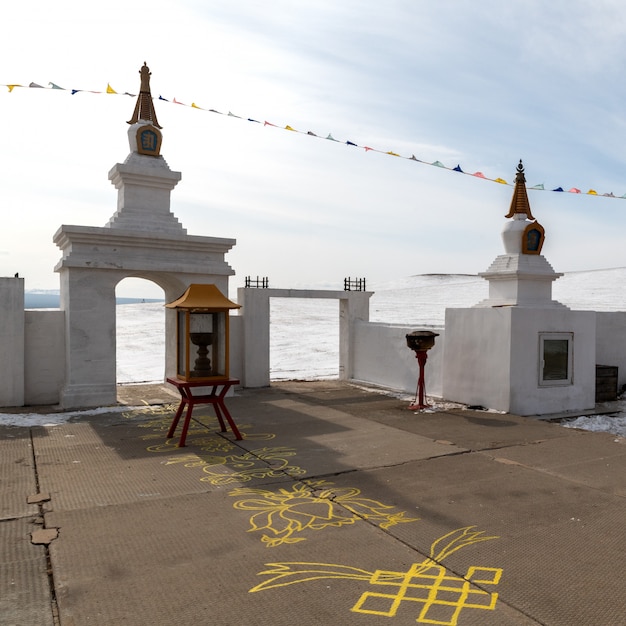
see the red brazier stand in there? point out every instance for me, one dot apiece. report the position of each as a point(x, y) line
point(216, 398)
point(420, 341)
point(421, 356)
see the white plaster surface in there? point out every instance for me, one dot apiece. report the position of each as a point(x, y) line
point(520, 280)
point(144, 184)
point(145, 254)
point(477, 357)
point(12, 341)
point(527, 396)
point(491, 359)
point(44, 356)
point(236, 346)
point(512, 233)
point(88, 299)
point(383, 358)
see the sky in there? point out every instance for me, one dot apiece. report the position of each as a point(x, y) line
point(480, 85)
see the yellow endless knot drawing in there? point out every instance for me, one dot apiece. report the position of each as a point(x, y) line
point(442, 596)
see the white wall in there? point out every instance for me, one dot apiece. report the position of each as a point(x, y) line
point(382, 357)
point(492, 359)
point(11, 341)
point(379, 355)
point(44, 357)
point(88, 299)
point(477, 357)
point(235, 344)
point(527, 396)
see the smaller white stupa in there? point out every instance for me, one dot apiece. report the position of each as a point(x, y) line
point(519, 351)
point(521, 276)
point(144, 181)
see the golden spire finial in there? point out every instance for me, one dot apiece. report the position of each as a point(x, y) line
point(519, 202)
point(144, 109)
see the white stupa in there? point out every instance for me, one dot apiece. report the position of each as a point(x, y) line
point(519, 351)
point(144, 181)
point(143, 239)
point(521, 276)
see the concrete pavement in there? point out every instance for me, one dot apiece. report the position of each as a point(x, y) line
point(339, 506)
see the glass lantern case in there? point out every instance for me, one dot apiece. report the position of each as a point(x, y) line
point(202, 334)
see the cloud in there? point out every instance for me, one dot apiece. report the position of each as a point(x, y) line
point(479, 88)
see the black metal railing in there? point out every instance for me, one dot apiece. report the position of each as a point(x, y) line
point(354, 284)
point(257, 283)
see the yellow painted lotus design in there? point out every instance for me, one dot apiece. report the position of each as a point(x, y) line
point(283, 515)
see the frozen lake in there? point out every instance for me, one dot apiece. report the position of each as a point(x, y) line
point(304, 334)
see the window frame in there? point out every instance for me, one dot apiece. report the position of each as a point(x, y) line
point(568, 380)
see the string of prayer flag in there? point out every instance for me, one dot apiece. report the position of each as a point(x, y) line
point(458, 169)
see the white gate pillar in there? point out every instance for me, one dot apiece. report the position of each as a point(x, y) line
point(12, 341)
point(256, 336)
point(88, 298)
point(355, 305)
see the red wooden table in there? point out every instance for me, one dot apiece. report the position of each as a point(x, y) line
point(219, 389)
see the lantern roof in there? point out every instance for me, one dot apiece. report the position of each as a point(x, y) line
point(519, 202)
point(202, 296)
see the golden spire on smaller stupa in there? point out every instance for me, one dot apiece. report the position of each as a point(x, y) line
point(519, 202)
point(144, 109)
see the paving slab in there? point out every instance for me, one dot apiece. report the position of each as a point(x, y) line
point(594, 459)
point(330, 441)
point(17, 475)
point(473, 430)
point(94, 464)
point(25, 596)
point(125, 457)
point(190, 559)
point(548, 537)
point(338, 506)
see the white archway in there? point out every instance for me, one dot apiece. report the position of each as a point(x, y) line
point(143, 239)
point(94, 261)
